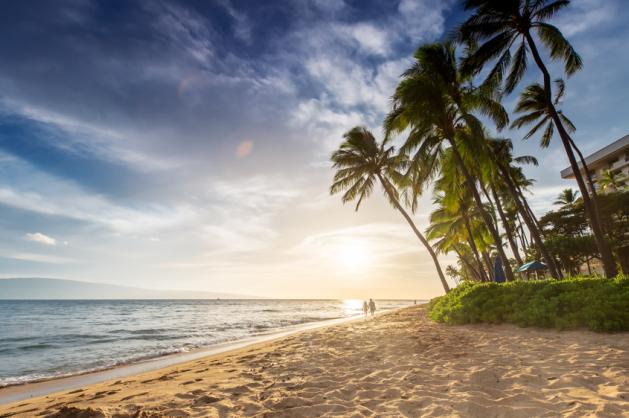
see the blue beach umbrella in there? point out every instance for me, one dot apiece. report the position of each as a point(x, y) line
point(532, 266)
point(535, 266)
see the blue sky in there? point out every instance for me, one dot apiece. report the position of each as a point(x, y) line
point(184, 144)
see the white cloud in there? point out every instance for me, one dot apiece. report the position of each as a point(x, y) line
point(38, 258)
point(422, 19)
point(40, 238)
point(186, 29)
point(368, 38)
point(324, 125)
point(80, 136)
point(349, 91)
point(584, 15)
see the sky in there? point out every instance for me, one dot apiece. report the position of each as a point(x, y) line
point(185, 144)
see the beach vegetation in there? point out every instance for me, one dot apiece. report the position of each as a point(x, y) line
point(597, 304)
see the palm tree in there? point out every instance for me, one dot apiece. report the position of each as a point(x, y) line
point(360, 162)
point(457, 219)
point(512, 179)
point(611, 180)
point(533, 104)
point(506, 224)
point(567, 197)
point(501, 24)
point(436, 102)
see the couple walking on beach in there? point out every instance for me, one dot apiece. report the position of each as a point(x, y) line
point(369, 307)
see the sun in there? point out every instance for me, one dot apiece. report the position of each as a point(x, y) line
point(354, 255)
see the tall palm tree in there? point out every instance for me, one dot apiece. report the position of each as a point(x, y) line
point(437, 103)
point(567, 197)
point(512, 178)
point(360, 162)
point(501, 24)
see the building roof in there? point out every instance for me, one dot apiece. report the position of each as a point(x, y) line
point(600, 155)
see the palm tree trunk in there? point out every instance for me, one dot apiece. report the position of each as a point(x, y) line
point(491, 205)
point(533, 230)
point(588, 176)
point(603, 246)
point(419, 235)
point(472, 245)
point(521, 232)
point(484, 214)
point(586, 169)
point(507, 226)
point(469, 265)
point(490, 268)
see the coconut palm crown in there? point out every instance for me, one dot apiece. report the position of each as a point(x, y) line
point(360, 162)
point(567, 197)
point(503, 24)
point(535, 108)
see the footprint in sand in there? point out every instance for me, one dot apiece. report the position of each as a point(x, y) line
point(75, 391)
point(126, 398)
point(175, 413)
point(205, 400)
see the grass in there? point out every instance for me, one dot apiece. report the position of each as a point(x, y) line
point(598, 304)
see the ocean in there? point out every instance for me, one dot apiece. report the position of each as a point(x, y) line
point(42, 339)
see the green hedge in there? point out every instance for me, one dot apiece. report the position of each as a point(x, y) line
point(595, 303)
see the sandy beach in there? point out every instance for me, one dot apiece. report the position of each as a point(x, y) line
point(397, 364)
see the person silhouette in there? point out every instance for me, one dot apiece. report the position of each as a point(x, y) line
point(365, 308)
point(372, 307)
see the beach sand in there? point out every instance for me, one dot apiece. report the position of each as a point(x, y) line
point(397, 364)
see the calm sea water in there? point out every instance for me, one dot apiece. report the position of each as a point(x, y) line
point(44, 339)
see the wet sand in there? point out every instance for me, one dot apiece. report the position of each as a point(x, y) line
point(397, 364)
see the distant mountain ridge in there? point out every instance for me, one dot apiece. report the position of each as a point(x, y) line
point(45, 288)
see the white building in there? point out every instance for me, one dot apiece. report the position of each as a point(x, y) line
point(613, 157)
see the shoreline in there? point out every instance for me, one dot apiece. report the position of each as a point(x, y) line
point(46, 386)
point(399, 363)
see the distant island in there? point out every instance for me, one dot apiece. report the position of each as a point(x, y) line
point(45, 288)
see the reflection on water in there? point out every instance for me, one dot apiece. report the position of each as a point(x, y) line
point(353, 307)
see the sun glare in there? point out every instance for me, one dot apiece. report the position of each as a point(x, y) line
point(354, 254)
point(352, 306)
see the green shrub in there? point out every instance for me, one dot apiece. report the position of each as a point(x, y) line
point(581, 302)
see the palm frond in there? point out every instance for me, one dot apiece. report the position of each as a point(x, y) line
point(548, 135)
point(548, 12)
point(518, 68)
point(559, 47)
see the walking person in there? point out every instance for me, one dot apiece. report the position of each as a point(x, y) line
point(365, 308)
point(372, 307)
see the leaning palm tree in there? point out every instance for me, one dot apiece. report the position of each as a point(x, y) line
point(435, 102)
point(360, 163)
point(501, 24)
point(567, 197)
